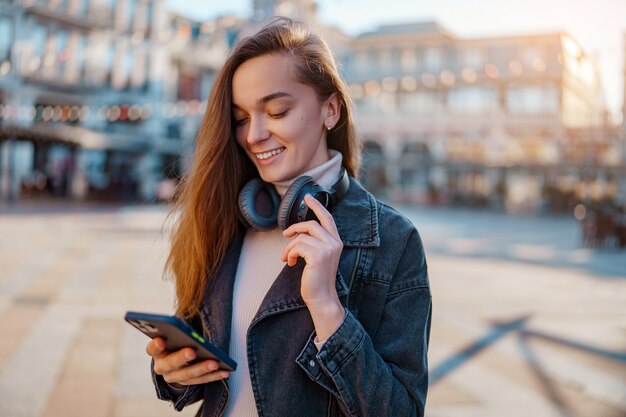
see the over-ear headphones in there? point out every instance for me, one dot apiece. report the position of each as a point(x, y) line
point(261, 208)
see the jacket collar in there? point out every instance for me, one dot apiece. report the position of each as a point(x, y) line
point(356, 217)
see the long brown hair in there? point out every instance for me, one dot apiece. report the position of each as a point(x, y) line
point(206, 207)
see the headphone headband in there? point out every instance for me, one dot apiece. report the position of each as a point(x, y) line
point(341, 186)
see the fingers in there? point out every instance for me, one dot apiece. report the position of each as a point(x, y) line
point(174, 368)
point(312, 250)
point(299, 248)
point(156, 348)
point(167, 363)
point(310, 227)
point(199, 373)
point(211, 377)
point(325, 218)
point(314, 242)
point(325, 229)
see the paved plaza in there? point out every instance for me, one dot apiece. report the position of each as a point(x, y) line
point(526, 322)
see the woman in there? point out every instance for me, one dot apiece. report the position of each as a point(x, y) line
point(343, 327)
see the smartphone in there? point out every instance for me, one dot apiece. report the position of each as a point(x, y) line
point(177, 335)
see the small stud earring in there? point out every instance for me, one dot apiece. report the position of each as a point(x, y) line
point(327, 127)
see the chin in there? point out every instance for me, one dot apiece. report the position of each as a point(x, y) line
point(272, 178)
point(275, 174)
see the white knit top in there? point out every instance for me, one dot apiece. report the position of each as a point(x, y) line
point(259, 265)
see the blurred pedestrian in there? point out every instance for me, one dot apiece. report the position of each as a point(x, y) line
point(328, 317)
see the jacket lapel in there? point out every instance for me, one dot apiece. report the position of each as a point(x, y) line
point(284, 294)
point(217, 304)
point(356, 218)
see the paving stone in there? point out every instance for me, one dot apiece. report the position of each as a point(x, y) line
point(67, 278)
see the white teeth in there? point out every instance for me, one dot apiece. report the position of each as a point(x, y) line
point(266, 155)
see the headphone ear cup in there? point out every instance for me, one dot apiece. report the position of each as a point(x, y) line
point(258, 205)
point(292, 200)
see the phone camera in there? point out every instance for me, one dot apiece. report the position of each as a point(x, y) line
point(144, 325)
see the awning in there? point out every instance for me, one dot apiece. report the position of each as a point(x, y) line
point(74, 136)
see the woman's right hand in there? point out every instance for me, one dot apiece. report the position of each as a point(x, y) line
point(174, 368)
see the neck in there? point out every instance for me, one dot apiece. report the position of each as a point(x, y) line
point(325, 174)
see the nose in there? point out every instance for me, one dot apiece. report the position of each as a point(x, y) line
point(257, 131)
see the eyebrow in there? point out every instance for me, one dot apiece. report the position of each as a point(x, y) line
point(273, 96)
point(269, 97)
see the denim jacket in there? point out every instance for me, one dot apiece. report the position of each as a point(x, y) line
point(374, 365)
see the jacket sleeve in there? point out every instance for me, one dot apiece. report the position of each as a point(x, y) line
point(179, 397)
point(385, 374)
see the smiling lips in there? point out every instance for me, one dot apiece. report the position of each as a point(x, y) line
point(266, 155)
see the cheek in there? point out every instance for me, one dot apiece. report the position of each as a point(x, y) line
point(302, 125)
point(240, 136)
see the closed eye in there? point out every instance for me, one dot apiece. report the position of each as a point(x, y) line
point(279, 115)
point(240, 122)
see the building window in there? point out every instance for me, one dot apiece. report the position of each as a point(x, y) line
point(149, 18)
point(421, 102)
point(532, 99)
point(138, 71)
point(129, 61)
point(345, 63)
point(34, 57)
point(132, 12)
point(372, 58)
point(408, 60)
point(99, 9)
point(368, 104)
point(83, 7)
point(61, 53)
point(360, 62)
point(432, 59)
point(60, 5)
point(472, 58)
point(83, 53)
point(231, 36)
point(473, 100)
point(109, 57)
point(533, 58)
point(385, 61)
point(6, 37)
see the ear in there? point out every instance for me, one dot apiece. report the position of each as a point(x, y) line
point(331, 110)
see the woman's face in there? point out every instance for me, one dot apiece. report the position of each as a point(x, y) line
point(278, 121)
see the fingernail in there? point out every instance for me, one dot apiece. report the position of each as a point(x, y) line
point(190, 354)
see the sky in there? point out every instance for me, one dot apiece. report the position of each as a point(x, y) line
point(598, 25)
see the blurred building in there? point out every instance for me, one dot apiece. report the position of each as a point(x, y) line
point(103, 98)
point(624, 100)
point(195, 51)
point(303, 10)
point(97, 97)
point(455, 114)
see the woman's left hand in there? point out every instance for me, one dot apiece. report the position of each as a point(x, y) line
point(320, 246)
